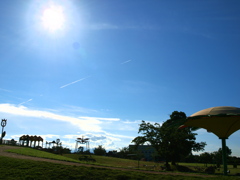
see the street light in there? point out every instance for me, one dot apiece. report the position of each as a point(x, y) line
point(3, 124)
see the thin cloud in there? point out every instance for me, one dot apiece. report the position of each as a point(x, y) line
point(1, 89)
point(99, 118)
point(132, 122)
point(77, 109)
point(138, 122)
point(96, 139)
point(103, 26)
point(25, 102)
point(126, 61)
point(74, 82)
point(119, 136)
point(91, 124)
point(108, 26)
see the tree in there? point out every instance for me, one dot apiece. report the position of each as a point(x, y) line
point(170, 142)
point(129, 153)
point(191, 158)
point(60, 150)
point(99, 150)
point(123, 152)
point(206, 158)
point(112, 153)
point(217, 155)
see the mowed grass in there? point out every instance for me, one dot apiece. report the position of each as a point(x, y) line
point(114, 162)
point(11, 168)
point(100, 160)
point(20, 169)
point(105, 161)
point(193, 166)
point(42, 154)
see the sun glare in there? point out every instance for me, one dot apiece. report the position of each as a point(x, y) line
point(53, 18)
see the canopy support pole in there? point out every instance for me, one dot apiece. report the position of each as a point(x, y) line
point(224, 156)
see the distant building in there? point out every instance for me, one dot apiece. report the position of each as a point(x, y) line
point(148, 151)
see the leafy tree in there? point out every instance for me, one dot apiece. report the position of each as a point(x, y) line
point(206, 158)
point(60, 150)
point(123, 152)
point(170, 142)
point(217, 155)
point(130, 153)
point(191, 158)
point(87, 152)
point(113, 153)
point(100, 150)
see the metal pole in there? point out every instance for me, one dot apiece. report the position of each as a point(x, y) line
point(1, 135)
point(3, 124)
point(224, 156)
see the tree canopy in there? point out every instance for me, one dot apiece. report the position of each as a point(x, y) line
point(100, 150)
point(170, 142)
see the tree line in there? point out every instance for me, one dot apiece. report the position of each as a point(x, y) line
point(172, 144)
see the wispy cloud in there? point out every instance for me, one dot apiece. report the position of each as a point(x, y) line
point(99, 118)
point(74, 82)
point(102, 26)
point(91, 124)
point(139, 122)
point(126, 61)
point(109, 26)
point(119, 136)
point(132, 122)
point(1, 89)
point(77, 109)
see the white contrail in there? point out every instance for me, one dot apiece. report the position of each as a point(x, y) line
point(25, 102)
point(126, 61)
point(74, 82)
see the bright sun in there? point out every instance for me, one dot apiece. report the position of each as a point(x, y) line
point(53, 18)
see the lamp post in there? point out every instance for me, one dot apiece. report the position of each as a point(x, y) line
point(3, 124)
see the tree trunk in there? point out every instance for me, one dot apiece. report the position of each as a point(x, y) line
point(168, 167)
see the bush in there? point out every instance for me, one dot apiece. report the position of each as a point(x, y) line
point(210, 170)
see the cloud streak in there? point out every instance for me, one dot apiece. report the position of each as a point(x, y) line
point(74, 82)
point(1, 89)
point(90, 124)
point(126, 61)
point(103, 26)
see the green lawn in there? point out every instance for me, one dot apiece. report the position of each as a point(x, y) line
point(38, 153)
point(111, 161)
point(233, 171)
point(114, 162)
point(100, 160)
point(20, 169)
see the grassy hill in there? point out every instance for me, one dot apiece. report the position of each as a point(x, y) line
point(11, 168)
point(100, 160)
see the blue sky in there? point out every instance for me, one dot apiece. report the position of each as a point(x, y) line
point(100, 67)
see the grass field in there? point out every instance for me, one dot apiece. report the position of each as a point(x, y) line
point(100, 160)
point(14, 169)
point(114, 162)
point(193, 166)
point(11, 168)
point(38, 153)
